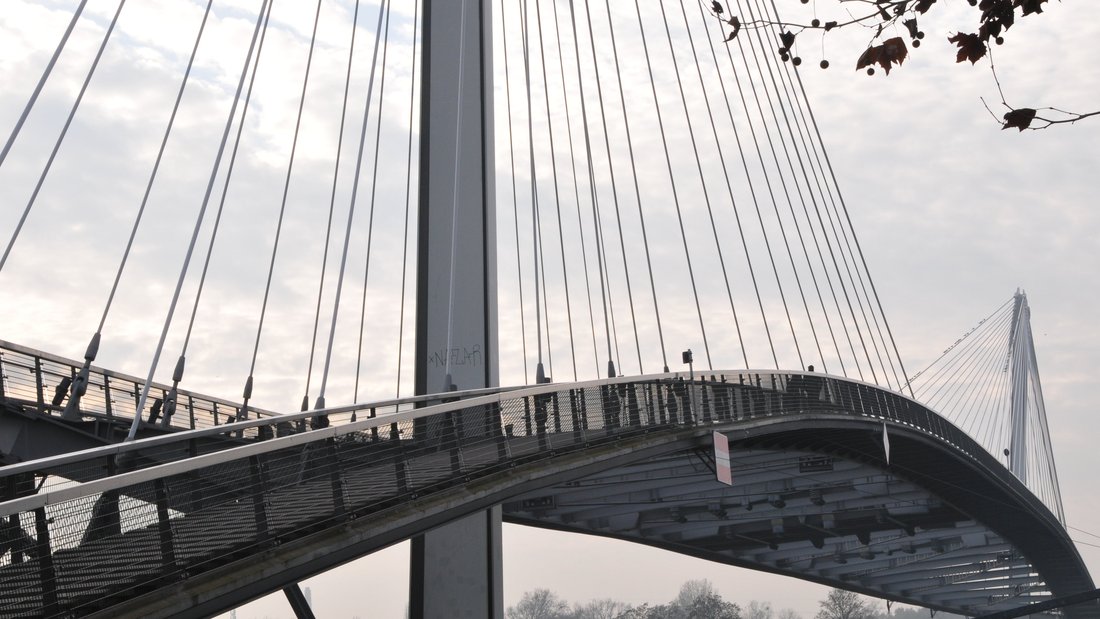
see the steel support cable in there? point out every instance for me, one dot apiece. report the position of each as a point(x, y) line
point(1042, 414)
point(1001, 420)
point(942, 371)
point(370, 216)
point(630, 150)
point(752, 190)
point(1016, 373)
point(536, 234)
point(848, 219)
point(951, 373)
point(64, 128)
point(780, 94)
point(38, 90)
point(80, 385)
point(177, 375)
point(702, 176)
point(972, 389)
point(985, 360)
point(382, 10)
point(448, 382)
point(594, 196)
point(592, 184)
point(973, 417)
point(601, 253)
point(763, 167)
point(840, 278)
point(577, 199)
point(989, 423)
point(671, 176)
point(282, 213)
point(611, 329)
point(840, 313)
point(1043, 429)
point(826, 192)
point(515, 195)
point(995, 421)
point(605, 287)
point(153, 174)
point(408, 208)
point(601, 248)
point(331, 203)
point(541, 266)
point(266, 11)
point(1036, 438)
point(748, 177)
point(1037, 428)
point(981, 322)
point(557, 195)
point(971, 384)
point(790, 257)
point(817, 288)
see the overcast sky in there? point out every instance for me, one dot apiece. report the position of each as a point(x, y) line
point(953, 215)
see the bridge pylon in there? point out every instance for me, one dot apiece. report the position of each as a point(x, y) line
point(1030, 436)
point(456, 569)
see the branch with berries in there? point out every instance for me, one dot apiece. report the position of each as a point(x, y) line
point(885, 17)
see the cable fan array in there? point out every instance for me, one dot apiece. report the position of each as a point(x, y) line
point(987, 384)
point(268, 275)
point(658, 190)
point(668, 190)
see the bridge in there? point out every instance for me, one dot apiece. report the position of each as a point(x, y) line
point(132, 496)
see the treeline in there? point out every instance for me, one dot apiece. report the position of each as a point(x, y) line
point(698, 599)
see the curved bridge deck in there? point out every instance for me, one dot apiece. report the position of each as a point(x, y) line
point(198, 522)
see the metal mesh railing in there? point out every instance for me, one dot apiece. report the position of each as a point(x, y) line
point(142, 523)
point(37, 383)
point(40, 382)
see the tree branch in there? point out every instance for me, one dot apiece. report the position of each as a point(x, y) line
point(995, 18)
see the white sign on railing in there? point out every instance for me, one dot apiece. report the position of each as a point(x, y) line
point(722, 459)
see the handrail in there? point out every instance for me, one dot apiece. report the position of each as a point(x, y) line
point(122, 479)
point(462, 399)
point(33, 352)
point(291, 418)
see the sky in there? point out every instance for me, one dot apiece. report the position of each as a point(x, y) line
point(953, 215)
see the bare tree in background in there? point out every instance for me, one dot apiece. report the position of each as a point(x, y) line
point(841, 604)
point(539, 604)
point(600, 609)
point(759, 610)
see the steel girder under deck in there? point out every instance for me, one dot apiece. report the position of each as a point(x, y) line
point(816, 515)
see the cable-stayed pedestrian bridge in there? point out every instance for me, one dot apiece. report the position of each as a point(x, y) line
point(666, 186)
point(218, 515)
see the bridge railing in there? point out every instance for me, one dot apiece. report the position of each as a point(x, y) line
point(39, 381)
point(139, 521)
point(715, 396)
